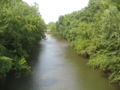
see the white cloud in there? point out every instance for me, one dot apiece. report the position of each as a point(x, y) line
point(52, 9)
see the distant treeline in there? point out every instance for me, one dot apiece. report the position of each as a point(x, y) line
point(94, 32)
point(21, 26)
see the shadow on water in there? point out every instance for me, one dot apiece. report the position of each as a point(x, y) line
point(23, 83)
point(56, 66)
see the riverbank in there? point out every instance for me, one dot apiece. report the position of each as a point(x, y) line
point(87, 56)
point(94, 32)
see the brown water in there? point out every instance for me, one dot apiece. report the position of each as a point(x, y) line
point(56, 66)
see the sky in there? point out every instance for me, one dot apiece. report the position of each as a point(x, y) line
point(52, 9)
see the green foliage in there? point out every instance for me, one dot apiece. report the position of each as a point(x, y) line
point(51, 26)
point(95, 32)
point(107, 61)
point(21, 26)
point(5, 65)
point(21, 66)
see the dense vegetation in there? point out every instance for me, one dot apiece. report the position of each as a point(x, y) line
point(95, 33)
point(21, 26)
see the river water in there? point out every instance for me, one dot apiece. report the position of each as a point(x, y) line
point(56, 66)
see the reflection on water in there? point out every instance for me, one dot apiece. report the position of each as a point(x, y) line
point(56, 66)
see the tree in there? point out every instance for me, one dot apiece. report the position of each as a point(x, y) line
point(21, 26)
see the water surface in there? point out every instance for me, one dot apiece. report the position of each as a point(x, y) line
point(56, 66)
